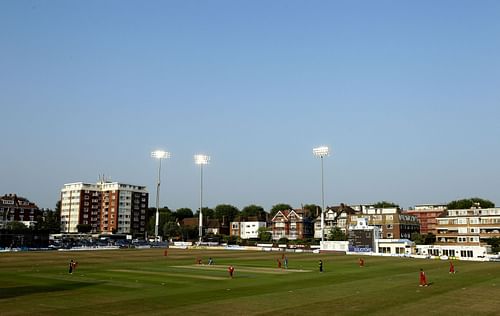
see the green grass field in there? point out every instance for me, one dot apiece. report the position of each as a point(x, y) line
point(145, 282)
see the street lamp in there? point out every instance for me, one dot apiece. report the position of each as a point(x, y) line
point(201, 160)
point(321, 152)
point(158, 154)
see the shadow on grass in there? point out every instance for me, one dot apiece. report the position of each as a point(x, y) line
point(12, 292)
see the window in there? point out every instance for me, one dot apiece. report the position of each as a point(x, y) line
point(448, 252)
point(384, 250)
point(433, 252)
point(466, 253)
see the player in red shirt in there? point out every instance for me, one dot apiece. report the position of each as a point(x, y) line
point(230, 269)
point(452, 267)
point(361, 262)
point(423, 278)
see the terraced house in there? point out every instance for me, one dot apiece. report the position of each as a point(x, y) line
point(17, 208)
point(292, 224)
point(334, 216)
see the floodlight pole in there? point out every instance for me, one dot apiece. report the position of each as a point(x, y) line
point(200, 226)
point(322, 152)
point(158, 154)
point(201, 160)
point(157, 217)
point(322, 202)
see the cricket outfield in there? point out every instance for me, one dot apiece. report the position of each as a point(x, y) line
point(145, 282)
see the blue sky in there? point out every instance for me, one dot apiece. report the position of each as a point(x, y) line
point(405, 93)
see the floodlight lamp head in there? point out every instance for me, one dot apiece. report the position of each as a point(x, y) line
point(321, 152)
point(159, 154)
point(201, 159)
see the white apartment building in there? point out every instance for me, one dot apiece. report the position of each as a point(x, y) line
point(247, 230)
point(105, 206)
point(468, 226)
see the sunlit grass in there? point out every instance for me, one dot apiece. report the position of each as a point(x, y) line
point(138, 282)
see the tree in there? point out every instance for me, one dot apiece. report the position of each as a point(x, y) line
point(183, 213)
point(469, 203)
point(171, 229)
point(385, 204)
point(283, 240)
point(313, 209)
point(494, 243)
point(233, 240)
point(165, 215)
point(15, 226)
point(264, 234)
point(429, 239)
point(226, 213)
point(279, 207)
point(336, 234)
point(84, 228)
point(253, 210)
point(189, 233)
point(419, 239)
point(207, 212)
point(50, 221)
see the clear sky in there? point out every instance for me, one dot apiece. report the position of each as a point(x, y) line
point(406, 94)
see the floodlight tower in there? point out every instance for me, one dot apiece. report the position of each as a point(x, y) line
point(201, 160)
point(322, 152)
point(158, 154)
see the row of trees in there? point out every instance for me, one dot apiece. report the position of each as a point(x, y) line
point(169, 227)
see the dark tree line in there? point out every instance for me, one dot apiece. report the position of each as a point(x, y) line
point(468, 203)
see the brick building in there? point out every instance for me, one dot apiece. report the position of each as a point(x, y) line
point(292, 224)
point(427, 215)
point(17, 208)
point(393, 223)
point(105, 206)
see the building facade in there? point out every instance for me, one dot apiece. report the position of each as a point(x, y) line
point(427, 215)
point(468, 226)
point(108, 207)
point(335, 216)
point(393, 223)
point(247, 228)
point(15, 208)
point(292, 224)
